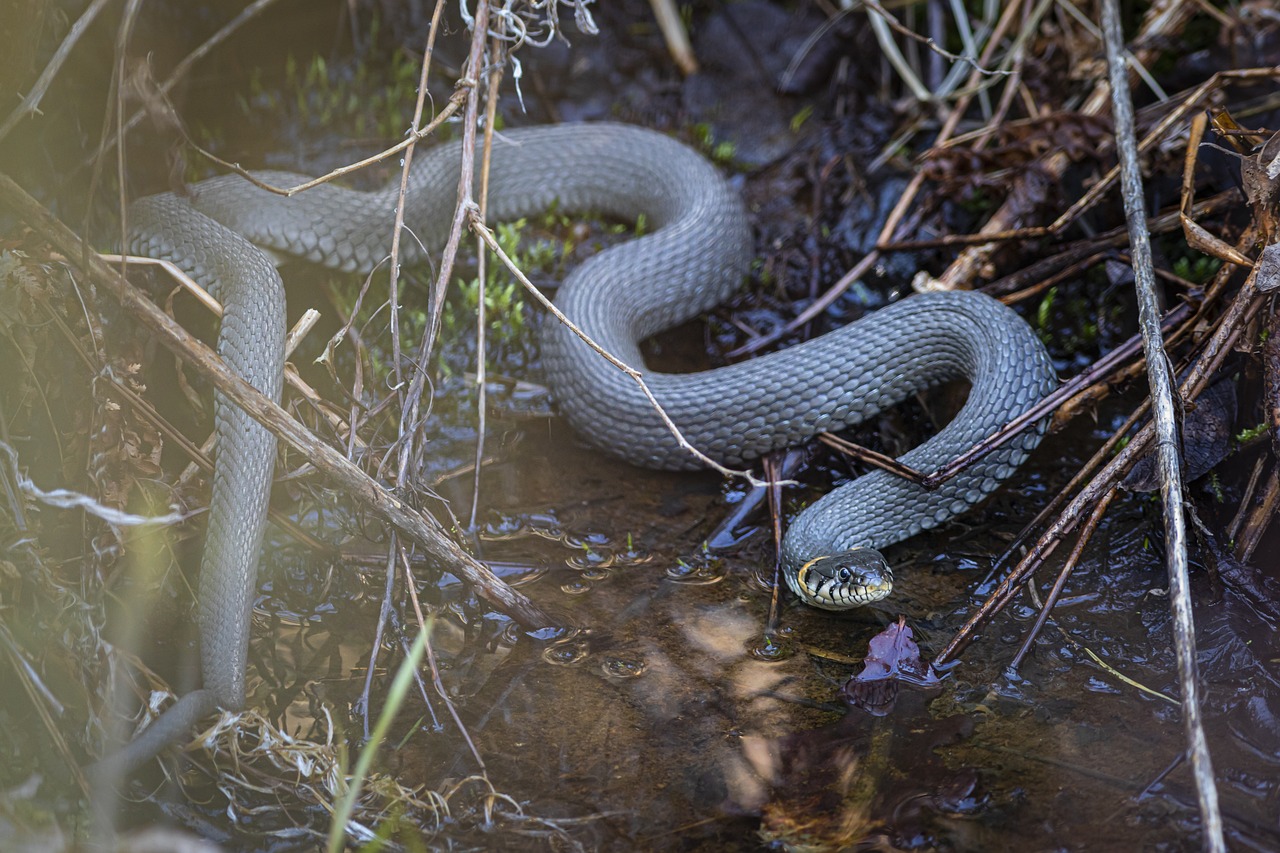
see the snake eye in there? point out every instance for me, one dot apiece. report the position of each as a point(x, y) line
point(844, 574)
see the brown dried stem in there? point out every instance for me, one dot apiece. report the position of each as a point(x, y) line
point(1073, 560)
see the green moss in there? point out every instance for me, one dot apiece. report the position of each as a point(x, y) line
point(1251, 434)
point(1195, 267)
point(721, 152)
point(362, 98)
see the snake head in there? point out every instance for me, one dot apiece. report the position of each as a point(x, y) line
point(843, 580)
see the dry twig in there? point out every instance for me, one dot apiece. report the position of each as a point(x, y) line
point(676, 36)
point(482, 230)
point(31, 103)
point(1168, 459)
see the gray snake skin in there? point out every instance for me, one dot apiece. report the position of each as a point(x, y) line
point(696, 255)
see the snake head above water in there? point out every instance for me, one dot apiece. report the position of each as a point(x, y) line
point(843, 580)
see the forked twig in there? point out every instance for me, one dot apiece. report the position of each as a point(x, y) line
point(31, 102)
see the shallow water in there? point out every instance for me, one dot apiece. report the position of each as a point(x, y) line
point(664, 719)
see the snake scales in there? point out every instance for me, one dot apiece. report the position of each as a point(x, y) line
point(695, 257)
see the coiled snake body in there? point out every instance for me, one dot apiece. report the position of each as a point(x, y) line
point(695, 257)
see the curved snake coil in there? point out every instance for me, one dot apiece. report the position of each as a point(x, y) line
point(695, 257)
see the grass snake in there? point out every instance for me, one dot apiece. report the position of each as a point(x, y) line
point(695, 256)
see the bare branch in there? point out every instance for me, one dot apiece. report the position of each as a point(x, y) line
point(31, 103)
point(1168, 459)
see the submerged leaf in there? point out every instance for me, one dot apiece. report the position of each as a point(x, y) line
point(892, 658)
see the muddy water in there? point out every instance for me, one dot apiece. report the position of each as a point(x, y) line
point(666, 720)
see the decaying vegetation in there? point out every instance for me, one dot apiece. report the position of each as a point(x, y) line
point(1000, 114)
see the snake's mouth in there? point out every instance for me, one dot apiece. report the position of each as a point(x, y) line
point(843, 580)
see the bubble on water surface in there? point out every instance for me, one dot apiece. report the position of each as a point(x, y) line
point(567, 654)
point(619, 667)
point(771, 648)
point(577, 586)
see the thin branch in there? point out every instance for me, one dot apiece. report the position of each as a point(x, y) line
point(406, 165)
point(411, 585)
point(482, 274)
point(891, 52)
point(1169, 463)
point(409, 413)
point(200, 456)
point(406, 145)
point(1157, 135)
point(969, 59)
point(31, 103)
point(1073, 560)
point(180, 70)
point(871, 457)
